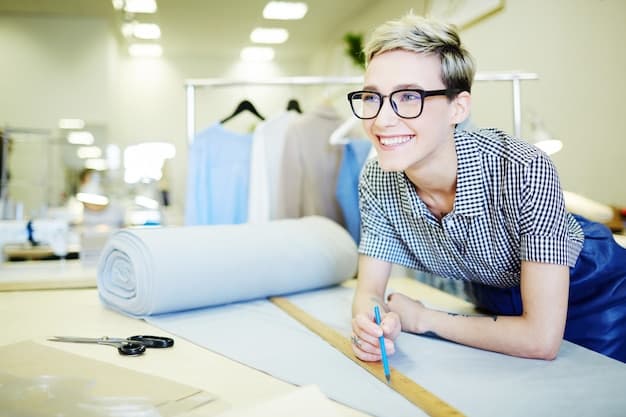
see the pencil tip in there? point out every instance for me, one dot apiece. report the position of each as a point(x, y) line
point(388, 378)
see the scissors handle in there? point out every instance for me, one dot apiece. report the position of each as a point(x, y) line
point(131, 348)
point(155, 342)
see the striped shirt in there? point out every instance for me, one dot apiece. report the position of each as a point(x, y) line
point(508, 208)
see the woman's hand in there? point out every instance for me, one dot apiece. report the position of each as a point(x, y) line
point(408, 310)
point(365, 334)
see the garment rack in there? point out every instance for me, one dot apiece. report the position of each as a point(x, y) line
point(514, 77)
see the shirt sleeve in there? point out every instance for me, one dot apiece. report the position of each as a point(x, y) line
point(379, 238)
point(543, 220)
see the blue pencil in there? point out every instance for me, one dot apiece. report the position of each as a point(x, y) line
point(383, 351)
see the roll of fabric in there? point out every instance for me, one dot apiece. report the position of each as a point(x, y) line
point(149, 271)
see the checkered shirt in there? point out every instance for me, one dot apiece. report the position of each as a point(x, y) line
point(508, 208)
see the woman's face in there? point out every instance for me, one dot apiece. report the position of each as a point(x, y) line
point(402, 144)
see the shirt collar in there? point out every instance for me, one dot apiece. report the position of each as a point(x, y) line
point(470, 197)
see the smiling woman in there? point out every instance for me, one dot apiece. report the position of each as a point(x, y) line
point(479, 207)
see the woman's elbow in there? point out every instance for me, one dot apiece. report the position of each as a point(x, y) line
point(546, 349)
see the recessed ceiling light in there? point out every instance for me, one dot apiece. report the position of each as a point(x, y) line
point(140, 6)
point(71, 124)
point(269, 35)
point(81, 137)
point(151, 50)
point(141, 30)
point(257, 54)
point(284, 10)
point(85, 152)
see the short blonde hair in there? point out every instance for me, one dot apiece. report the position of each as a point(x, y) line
point(418, 34)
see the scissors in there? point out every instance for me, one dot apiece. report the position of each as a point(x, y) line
point(131, 346)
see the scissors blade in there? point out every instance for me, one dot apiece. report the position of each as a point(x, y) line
point(72, 339)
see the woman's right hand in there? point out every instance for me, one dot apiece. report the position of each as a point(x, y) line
point(365, 334)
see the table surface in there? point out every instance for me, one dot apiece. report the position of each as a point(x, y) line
point(36, 315)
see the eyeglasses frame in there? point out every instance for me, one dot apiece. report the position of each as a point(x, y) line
point(449, 92)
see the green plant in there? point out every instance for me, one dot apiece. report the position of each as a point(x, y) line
point(354, 48)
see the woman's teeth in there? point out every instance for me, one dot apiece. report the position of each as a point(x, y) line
point(396, 140)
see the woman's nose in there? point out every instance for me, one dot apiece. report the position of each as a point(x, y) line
point(386, 115)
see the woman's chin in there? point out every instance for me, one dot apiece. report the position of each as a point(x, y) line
point(391, 165)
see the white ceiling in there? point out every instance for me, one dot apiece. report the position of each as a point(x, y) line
point(210, 27)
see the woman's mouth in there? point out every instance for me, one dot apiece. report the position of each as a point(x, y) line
point(394, 141)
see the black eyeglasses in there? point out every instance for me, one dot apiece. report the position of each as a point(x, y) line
point(407, 103)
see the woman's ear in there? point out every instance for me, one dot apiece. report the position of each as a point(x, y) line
point(461, 106)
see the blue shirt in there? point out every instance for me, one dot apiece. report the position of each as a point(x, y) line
point(218, 177)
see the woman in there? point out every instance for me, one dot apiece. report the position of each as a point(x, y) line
point(479, 206)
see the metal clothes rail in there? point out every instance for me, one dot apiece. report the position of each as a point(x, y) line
point(514, 77)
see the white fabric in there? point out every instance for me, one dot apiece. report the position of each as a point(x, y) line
point(148, 271)
point(578, 383)
point(268, 143)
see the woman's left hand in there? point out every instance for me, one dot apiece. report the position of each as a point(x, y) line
point(409, 310)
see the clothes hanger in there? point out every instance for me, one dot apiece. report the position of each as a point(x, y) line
point(294, 105)
point(338, 137)
point(244, 105)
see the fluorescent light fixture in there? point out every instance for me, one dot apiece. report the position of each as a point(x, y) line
point(98, 164)
point(81, 137)
point(146, 31)
point(284, 10)
point(257, 54)
point(269, 35)
point(141, 30)
point(95, 199)
point(85, 152)
point(140, 6)
point(146, 50)
point(71, 124)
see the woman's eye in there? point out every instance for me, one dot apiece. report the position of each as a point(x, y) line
point(410, 97)
point(370, 98)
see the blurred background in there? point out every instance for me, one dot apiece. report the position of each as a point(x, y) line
point(97, 130)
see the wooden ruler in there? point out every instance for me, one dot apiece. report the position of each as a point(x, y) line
point(409, 389)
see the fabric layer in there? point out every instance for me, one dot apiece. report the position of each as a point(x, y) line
point(158, 270)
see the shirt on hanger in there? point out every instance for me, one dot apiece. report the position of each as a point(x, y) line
point(268, 143)
point(355, 154)
point(218, 177)
point(310, 166)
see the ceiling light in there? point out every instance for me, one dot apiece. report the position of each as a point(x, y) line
point(81, 137)
point(257, 54)
point(141, 30)
point(146, 31)
point(85, 152)
point(118, 4)
point(283, 10)
point(71, 124)
point(265, 35)
point(145, 50)
point(140, 6)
